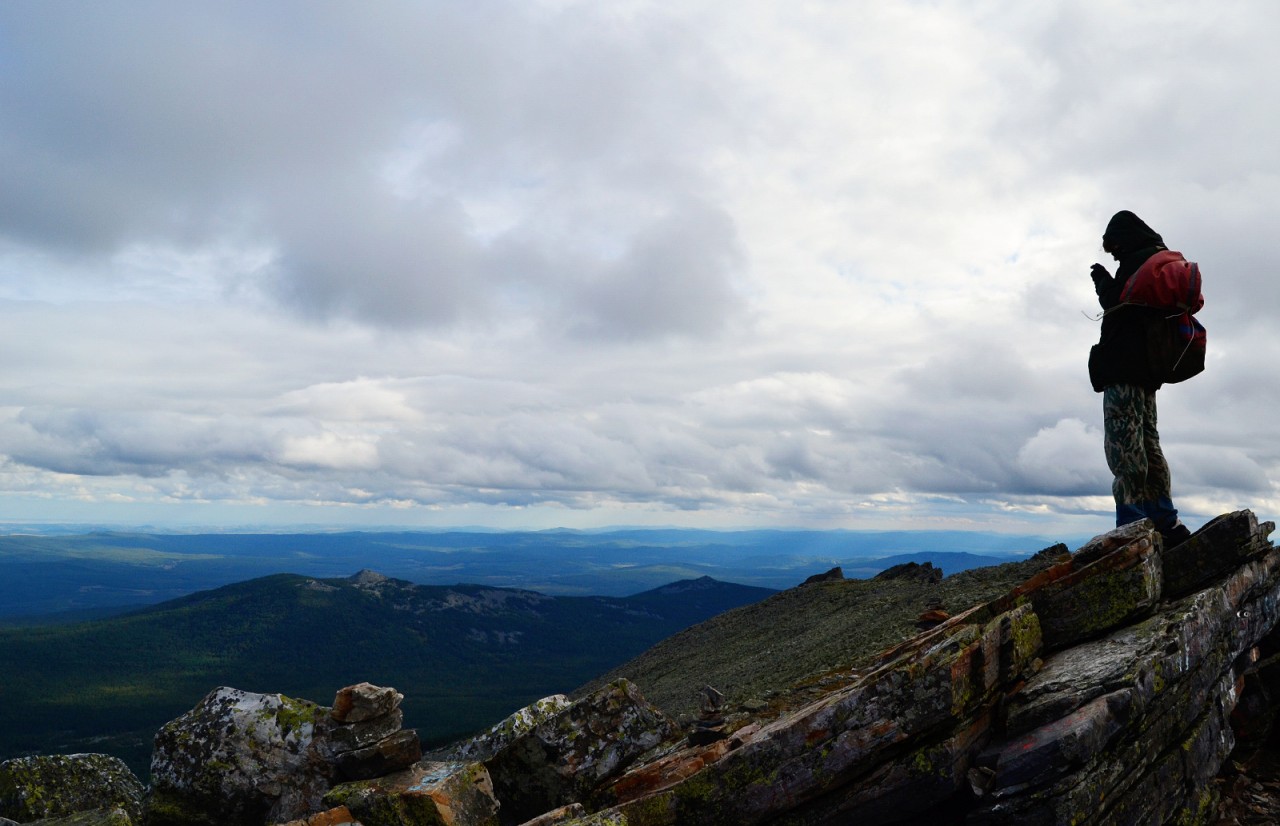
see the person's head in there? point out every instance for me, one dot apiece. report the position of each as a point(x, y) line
point(1128, 233)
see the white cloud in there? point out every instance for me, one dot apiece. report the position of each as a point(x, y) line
point(752, 263)
point(1065, 460)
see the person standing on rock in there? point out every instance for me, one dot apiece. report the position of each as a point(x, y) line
point(1120, 369)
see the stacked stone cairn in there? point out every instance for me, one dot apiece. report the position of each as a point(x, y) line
point(1101, 691)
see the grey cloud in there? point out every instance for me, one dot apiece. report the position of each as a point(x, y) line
point(596, 254)
point(675, 277)
point(402, 264)
point(187, 125)
point(94, 443)
point(1198, 467)
point(1064, 460)
point(157, 120)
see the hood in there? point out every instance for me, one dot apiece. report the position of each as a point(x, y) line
point(1127, 233)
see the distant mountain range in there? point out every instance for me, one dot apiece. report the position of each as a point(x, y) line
point(464, 656)
point(86, 576)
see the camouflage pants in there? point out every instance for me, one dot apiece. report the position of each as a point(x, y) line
point(1142, 487)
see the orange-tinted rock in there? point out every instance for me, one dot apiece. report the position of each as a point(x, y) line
point(364, 701)
point(457, 794)
point(341, 816)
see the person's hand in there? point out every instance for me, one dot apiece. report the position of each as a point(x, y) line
point(1098, 272)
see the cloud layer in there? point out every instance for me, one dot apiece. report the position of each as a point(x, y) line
point(576, 263)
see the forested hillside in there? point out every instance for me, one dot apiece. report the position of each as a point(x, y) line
point(464, 656)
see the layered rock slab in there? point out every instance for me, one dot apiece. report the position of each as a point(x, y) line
point(859, 749)
point(1126, 722)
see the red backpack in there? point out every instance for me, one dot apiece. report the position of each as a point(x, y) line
point(1167, 281)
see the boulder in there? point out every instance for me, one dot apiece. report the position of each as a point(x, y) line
point(342, 738)
point(487, 744)
point(667, 770)
point(571, 812)
point(364, 701)
point(53, 786)
point(565, 758)
point(363, 737)
point(392, 753)
point(239, 758)
point(426, 794)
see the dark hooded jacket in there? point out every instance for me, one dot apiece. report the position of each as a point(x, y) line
point(1121, 354)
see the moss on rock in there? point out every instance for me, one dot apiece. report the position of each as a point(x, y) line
point(34, 788)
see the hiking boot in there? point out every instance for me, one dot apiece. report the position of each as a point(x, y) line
point(1175, 536)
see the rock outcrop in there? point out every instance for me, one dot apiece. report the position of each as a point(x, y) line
point(58, 786)
point(1099, 692)
point(568, 756)
point(245, 758)
point(425, 794)
point(832, 575)
point(1109, 688)
point(517, 725)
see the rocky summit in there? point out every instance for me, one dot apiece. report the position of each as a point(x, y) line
point(1112, 686)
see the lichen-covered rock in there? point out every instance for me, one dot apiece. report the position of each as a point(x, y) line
point(239, 758)
point(669, 769)
point(488, 743)
point(1130, 728)
point(427, 794)
point(1101, 587)
point(563, 759)
point(607, 818)
point(1125, 721)
point(33, 788)
point(836, 760)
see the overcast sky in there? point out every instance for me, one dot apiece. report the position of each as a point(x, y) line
point(558, 263)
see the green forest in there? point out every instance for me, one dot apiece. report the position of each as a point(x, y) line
point(464, 656)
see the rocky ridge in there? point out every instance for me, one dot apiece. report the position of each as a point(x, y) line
point(1112, 686)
